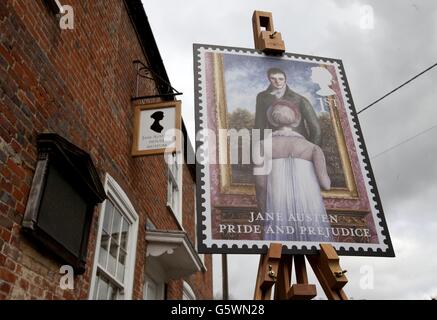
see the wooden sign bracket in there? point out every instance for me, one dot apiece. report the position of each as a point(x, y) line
point(266, 38)
point(275, 269)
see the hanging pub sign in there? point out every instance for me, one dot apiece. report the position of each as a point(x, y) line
point(281, 157)
point(156, 128)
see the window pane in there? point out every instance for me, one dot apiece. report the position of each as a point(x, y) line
point(124, 234)
point(103, 252)
point(112, 262)
point(120, 295)
point(111, 292)
point(96, 288)
point(170, 192)
point(103, 289)
point(116, 223)
point(121, 265)
point(108, 215)
point(150, 290)
point(175, 199)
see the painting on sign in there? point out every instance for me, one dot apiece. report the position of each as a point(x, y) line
point(156, 127)
point(282, 156)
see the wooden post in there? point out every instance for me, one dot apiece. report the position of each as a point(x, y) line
point(301, 290)
point(329, 273)
point(267, 272)
point(284, 277)
point(275, 269)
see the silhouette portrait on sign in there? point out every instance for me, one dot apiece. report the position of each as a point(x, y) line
point(157, 116)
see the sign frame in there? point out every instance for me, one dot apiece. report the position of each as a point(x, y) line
point(203, 97)
point(176, 104)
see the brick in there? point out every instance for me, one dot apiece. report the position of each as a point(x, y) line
point(3, 63)
point(19, 294)
point(23, 284)
point(29, 161)
point(7, 112)
point(15, 216)
point(5, 235)
point(6, 129)
point(48, 295)
point(68, 295)
point(15, 180)
point(17, 194)
point(19, 271)
point(5, 186)
point(16, 147)
point(5, 54)
point(36, 291)
point(5, 287)
point(20, 209)
point(3, 156)
point(3, 10)
point(7, 275)
point(38, 281)
point(11, 252)
point(10, 265)
point(6, 198)
point(16, 169)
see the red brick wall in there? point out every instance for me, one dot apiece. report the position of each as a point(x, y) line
point(201, 283)
point(77, 83)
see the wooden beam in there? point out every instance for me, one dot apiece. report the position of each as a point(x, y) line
point(284, 277)
point(325, 267)
point(268, 272)
point(301, 290)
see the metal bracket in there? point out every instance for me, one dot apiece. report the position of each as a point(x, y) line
point(272, 273)
point(162, 85)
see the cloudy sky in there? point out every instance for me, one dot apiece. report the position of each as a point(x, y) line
point(377, 58)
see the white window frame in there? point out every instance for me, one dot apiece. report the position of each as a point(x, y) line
point(175, 179)
point(119, 198)
point(153, 273)
point(188, 292)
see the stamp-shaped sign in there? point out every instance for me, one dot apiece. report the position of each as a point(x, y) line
point(156, 128)
point(281, 157)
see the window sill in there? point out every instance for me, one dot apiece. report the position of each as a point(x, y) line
point(169, 207)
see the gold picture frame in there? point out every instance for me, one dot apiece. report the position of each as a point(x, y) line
point(226, 185)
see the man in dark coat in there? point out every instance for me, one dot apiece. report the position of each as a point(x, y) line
point(309, 127)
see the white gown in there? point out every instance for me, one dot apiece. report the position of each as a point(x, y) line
point(293, 195)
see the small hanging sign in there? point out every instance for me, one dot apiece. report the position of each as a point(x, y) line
point(156, 128)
